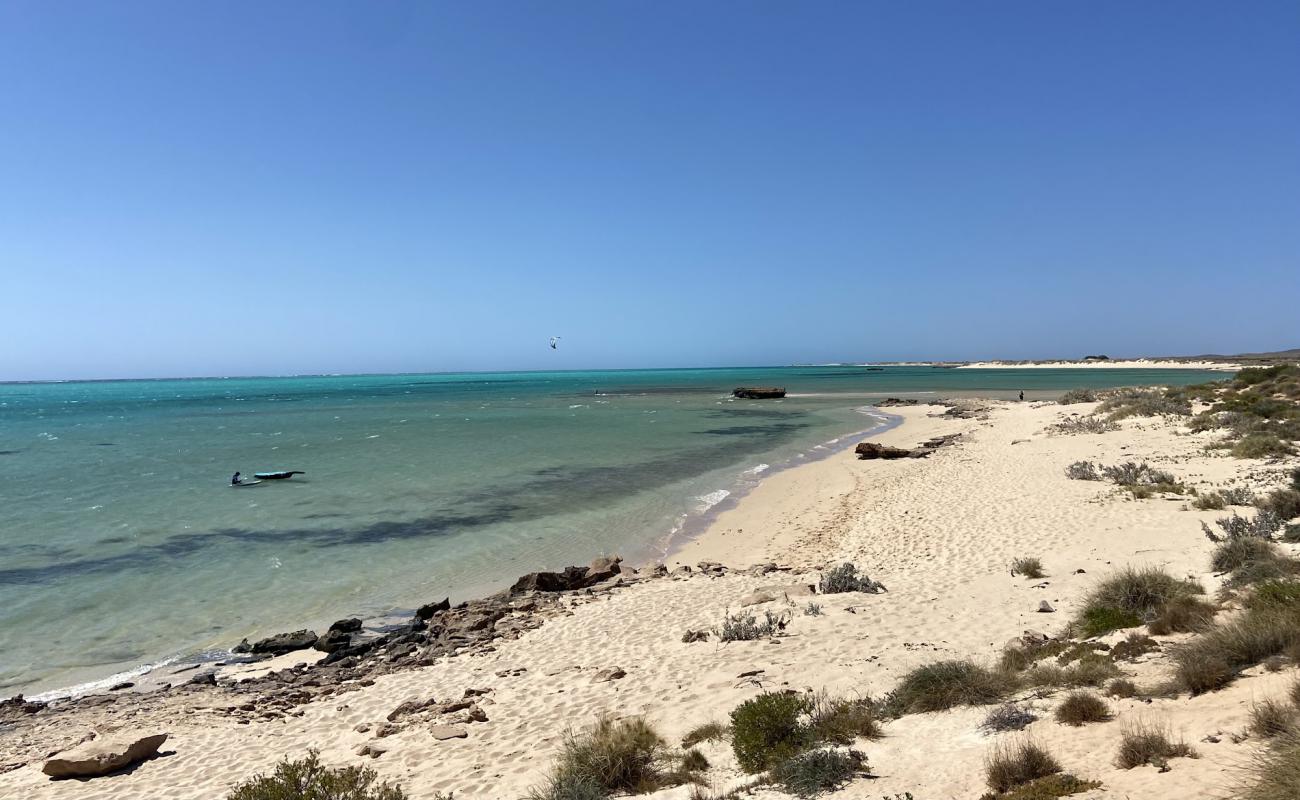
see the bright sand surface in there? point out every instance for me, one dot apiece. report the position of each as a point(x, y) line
point(938, 532)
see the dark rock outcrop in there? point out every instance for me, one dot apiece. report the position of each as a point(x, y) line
point(285, 642)
point(350, 625)
point(872, 450)
point(427, 610)
point(896, 401)
point(758, 392)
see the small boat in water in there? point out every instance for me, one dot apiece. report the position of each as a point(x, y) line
point(277, 476)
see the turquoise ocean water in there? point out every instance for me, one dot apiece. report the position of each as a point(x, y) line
point(121, 543)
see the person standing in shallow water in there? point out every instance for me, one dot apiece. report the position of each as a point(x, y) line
point(1022, 398)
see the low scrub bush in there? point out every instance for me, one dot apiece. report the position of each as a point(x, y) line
point(1261, 445)
point(1283, 504)
point(308, 779)
point(846, 578)
point(624, 755)
point(1048, 788)
point(693, 760)
point(816, 771)
point(1210, 501)
point(1182, 615)
point(1136, 645)
point(1092, 670)
point(1007, 717)
point(743, 626)
point(1122, 687)
point(1276, 772)
point(708, 732)
point(1078, 396)
point(1233, 554)
point(1029, 567)
point(812, 609)
point(947, 684)
point(1079, 708)
point(1264, 525)
point(769, 729)
point(1082, 471)
point(1270, 719)
point(1131, 473)
point(1238, 496)
point(1291, 534)
point(1131, 597)
point(841, 721)
point(1213, 659)
point(1277, 593)
point(1148, 743)
point(1145, 403)
point(1013, 764)
point(1075, 425)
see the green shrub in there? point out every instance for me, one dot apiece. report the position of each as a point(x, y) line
point(1012, 764)
point(1136, 645)
point(624, 755)
point(1279, 593)
point(769, 729)
point(1263, 526)
point(1261, 445)
point(816, 771)
point(308, 779)
point(1130, 597)
point(1238, 496)
point(1232, 554)
point(1145, 403)
point(1073, 425)
point(1097, 620)
point(743, 626)
point(1048, 788)
point(1028, 566)
point(845, 578)
point(947, 684)
point(1132, 473)
point(812, 609)
point(1079, 708)
point(1122, 687)
point(1092, 670)
point(1148, 743)
point(1292, 533)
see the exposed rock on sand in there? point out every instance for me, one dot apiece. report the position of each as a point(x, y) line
point(285, 642)
point(102, 756)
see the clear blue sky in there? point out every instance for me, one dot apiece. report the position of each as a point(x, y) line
point(253, 188)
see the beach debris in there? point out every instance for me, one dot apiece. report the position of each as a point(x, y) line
point(282, 643)
point(873, 450)
point(609, 674)
point(758, 392)
point(102, 756)
point(1045, 607)
point(444, 732)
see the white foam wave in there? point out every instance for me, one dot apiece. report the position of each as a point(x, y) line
point(102, 683)
point(711, 499)
point(757, 470)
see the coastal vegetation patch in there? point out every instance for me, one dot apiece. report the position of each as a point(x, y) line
point(1028, 566)
point(308, 779)
point(1129, 598)
point(1275, 774)
point(947, 684)
point(1016, 763)
point(811, 773)
point(1149, 742)
point(744, 626)
point(846, 578)
point(1080, 708)
point(612, 756)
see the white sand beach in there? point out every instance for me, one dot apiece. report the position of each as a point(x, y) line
point(939, 532)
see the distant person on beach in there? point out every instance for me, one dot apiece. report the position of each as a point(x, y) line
point(1022, 394)
point(234, 479)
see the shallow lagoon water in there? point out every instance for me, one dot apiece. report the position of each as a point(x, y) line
point(121, 542)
